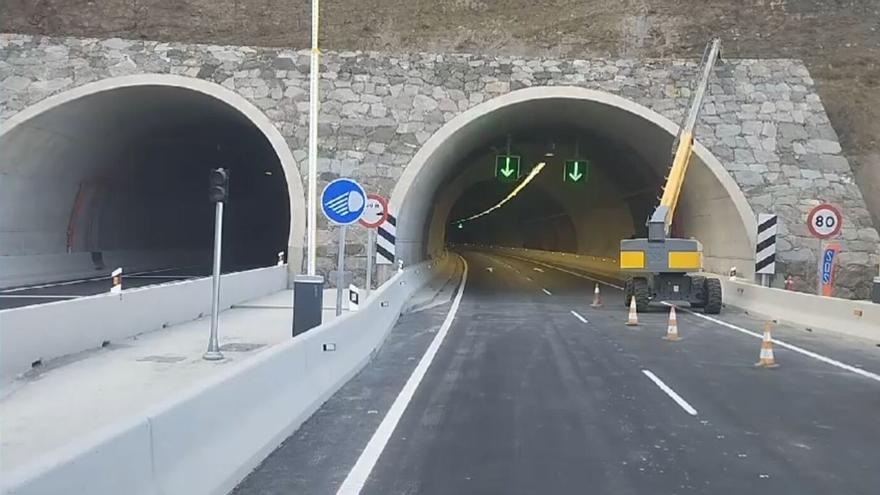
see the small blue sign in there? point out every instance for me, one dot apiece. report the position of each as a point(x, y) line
point(828, 265)
point(343, 201)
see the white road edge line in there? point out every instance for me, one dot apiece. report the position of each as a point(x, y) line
point(671, 393)
point(818, 357)
point(359, 473)
point(547, 292)
point(579, 317)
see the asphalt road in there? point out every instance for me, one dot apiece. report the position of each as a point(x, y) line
point(532, 391)
point(71, 289)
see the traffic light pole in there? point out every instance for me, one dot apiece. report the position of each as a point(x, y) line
point(213, 353)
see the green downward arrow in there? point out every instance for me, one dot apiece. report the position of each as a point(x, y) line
point(507, 168)
point(575, 174)
point(507, 171)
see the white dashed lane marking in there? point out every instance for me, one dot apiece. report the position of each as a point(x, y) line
point(671, 393)
point(579, 317)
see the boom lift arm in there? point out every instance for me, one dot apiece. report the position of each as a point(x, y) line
point(661, 221)
point(659, 264)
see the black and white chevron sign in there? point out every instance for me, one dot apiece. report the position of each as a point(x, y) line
point(765, 251)
point(385, 240)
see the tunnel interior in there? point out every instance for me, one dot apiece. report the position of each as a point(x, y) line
point(629, 149)
point(548, 213)
point(126, 171)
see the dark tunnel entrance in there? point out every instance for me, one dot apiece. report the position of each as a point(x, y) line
point(552, 212)
point(122, 175)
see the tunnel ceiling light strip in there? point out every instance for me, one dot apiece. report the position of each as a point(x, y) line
point(534, 173)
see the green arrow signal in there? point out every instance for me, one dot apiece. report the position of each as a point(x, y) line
point(576, 171)
point(507, 171)
point(575, 174)
point(507, 168)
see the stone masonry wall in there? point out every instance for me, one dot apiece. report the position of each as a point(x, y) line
point(762, 118)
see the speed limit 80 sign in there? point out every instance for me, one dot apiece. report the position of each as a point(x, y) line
point(824, 221)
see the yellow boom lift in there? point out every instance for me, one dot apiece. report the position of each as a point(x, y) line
point(658, 267)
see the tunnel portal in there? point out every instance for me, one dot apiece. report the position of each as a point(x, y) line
point(629, 148)
point(123, 174)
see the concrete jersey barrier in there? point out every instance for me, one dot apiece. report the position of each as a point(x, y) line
point(208, 438)
point(55, 329)
point(855, 318)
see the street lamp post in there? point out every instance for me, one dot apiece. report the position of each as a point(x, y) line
point(313, 144)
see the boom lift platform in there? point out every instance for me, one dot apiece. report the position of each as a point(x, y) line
point(659, 266)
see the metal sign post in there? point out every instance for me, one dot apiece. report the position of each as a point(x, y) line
point(824, 222)
point(375, 214)
point(370, 241)
point(819, 267)
point(343, 203)
point(340, 266)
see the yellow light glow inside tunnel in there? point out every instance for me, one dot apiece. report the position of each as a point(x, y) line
point(534, 173)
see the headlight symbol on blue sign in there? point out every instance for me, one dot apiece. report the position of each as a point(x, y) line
point(343, 201)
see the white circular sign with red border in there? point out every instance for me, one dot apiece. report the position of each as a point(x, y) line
point(375, 211)
point(824, 221)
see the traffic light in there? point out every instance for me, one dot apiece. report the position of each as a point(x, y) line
point(219, 190)
point(507, 168)
point(576, 171)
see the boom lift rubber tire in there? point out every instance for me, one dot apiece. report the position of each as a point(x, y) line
point(698, 286)
point(627, 291)
point(713, 296)
point(641, 293)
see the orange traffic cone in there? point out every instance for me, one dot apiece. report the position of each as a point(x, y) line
point(597, 298)
point(672, 328)
point(633, 319)
point(766, 360)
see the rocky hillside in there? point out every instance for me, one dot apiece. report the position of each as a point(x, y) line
point(838, 39)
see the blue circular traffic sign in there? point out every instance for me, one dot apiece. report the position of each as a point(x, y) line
point(343, 201)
